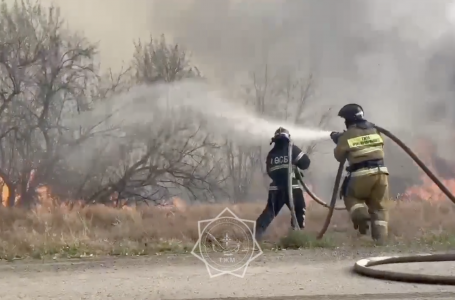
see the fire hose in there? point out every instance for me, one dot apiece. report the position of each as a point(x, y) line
point(331, 207)
point(290, 194)
point(363, 266)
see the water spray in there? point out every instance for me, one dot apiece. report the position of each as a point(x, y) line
point(193, 101)
point(226, 115)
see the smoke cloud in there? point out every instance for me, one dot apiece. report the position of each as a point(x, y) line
point(395, 58)
point(376, 53)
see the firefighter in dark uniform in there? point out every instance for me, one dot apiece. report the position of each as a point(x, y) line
point(365, 188)
point(277, 164)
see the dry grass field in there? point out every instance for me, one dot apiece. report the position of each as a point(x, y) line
point(100, 230)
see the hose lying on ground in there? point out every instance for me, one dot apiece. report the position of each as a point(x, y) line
point(362, 267)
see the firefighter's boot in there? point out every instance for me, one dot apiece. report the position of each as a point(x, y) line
point(259, 234)
point(362, 226)
point(379, 229)
point(300, 227)
point(360, 219)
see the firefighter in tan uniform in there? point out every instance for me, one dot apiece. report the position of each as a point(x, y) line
point(365, 188)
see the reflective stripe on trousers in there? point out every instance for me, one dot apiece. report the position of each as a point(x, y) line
point(275, 188)
point(380, 223)
point(356, 207)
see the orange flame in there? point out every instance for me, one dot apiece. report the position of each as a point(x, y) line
point(46, 201)
point(428, 190)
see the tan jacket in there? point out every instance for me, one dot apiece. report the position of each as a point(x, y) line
point(358, 145)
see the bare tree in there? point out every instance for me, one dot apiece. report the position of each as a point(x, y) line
point(49, 84)
point(160, 163)
point(241, 166)
point(167, 155)
point(157, 60)
point(44, 71)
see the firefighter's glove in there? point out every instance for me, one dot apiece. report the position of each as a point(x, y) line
point(335, 136)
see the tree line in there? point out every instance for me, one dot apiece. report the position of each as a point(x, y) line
point(49, 74)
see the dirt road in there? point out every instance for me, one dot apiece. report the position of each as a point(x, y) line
point(285, 275)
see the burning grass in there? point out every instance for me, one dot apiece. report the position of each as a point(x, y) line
point(101, 230)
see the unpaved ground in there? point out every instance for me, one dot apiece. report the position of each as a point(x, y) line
point(285, 275)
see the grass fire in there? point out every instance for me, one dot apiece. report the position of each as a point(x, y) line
point(91, 165)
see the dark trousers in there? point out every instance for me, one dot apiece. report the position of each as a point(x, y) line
point(277, 199)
